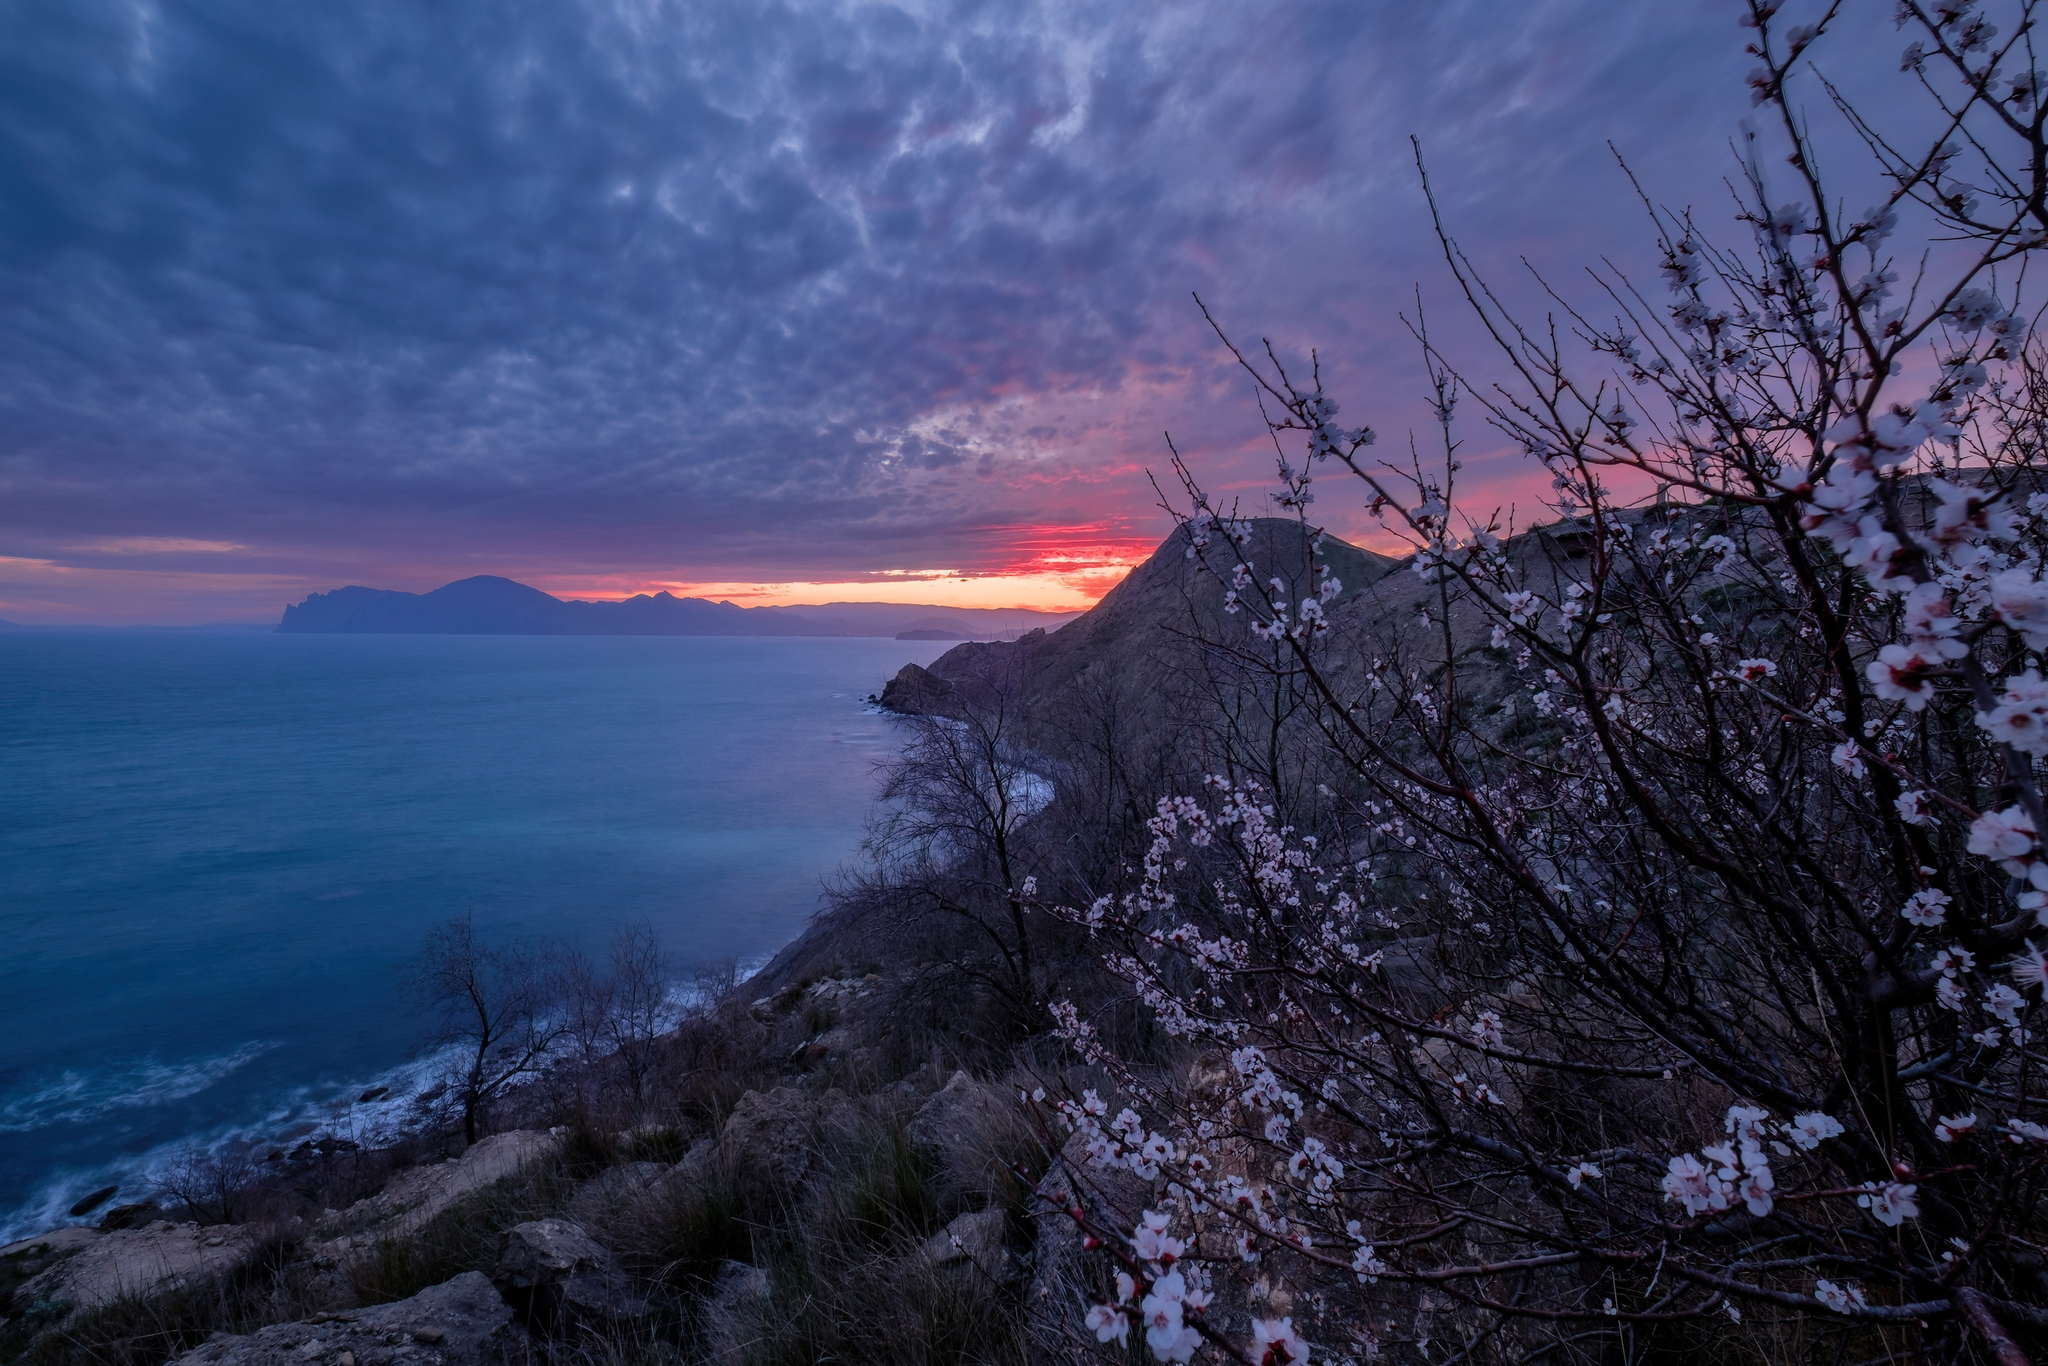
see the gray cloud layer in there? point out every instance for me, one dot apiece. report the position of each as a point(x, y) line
point(719, 286)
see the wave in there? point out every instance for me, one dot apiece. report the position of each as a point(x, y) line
point(77, 1097)
point(327, 1110)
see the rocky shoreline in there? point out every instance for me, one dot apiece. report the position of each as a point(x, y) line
point(794, 1053)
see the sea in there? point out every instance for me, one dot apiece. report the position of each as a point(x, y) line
point(219, 851)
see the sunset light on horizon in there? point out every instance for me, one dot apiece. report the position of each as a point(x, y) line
point(843, 310)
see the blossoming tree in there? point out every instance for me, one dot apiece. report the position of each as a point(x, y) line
point(1668, 967)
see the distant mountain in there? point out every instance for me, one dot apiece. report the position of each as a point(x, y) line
point(490, 605)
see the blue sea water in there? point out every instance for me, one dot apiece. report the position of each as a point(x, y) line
point(216, 851)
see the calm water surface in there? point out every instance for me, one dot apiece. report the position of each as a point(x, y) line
point(216, 850)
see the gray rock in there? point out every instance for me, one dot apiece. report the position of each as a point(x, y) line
point(738, 1286)
point(138, 1262)
point(131, 1216)
point(58, 1242)
point(462, 1322)
point(1060, 1282)
point(734, 1314)
point(767, 1142)
point(560, 1280)
point(89, 1203)
point(972, 1248)
point(968, 1126)
point(956, 1113)
point(769, 1135)
point(418, 1196)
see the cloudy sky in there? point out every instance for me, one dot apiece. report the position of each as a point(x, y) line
point(783, 301)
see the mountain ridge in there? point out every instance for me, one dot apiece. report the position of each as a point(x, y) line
point(489, 604)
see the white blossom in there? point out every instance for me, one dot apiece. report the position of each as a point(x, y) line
point(1108, 1322)
point(2007, 835)
point(1926, 907)
point(1949, 1128)
point(2021, 601)
point(1275, 1343)
point(1903, 674)
point(2020, 718)
point(1808, 1130)
point(1890, 1204)
point(2003, 1004)
point(1915, 807)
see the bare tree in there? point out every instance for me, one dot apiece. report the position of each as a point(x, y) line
point(949, 841)
point(642, 1007)
point(495, 1009)
point(211, 1187)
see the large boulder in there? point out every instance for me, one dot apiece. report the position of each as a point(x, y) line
point(767, 1143)
point(970, 1129)
point(972, 1250)
point(416, 1197)
point(1063, 1277)
point(462, 1322)
point(560, 1281)
point(133, 1263)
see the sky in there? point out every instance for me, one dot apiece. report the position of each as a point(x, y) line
point(776, 302)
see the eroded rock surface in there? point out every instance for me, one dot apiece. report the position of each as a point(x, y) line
point(134, 1262)
point(415, 1198)
point(972, 1248)
point(768, 1141)
point(462, 1322)
point(558, 1279)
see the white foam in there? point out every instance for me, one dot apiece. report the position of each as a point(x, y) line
point(326, 1111)
point(75, 1097)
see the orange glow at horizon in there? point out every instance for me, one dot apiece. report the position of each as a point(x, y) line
point(1050, 569)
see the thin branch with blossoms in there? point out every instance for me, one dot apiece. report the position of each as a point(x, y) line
point(1675, 948)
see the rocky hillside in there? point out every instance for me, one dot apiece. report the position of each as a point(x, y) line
point(1144, 631)
point(790, 1198)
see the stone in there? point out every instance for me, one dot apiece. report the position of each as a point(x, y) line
point(137, 1262)
point(558, 1279)
point(58, 1242)
point(766, 1141)
point(738, 1286)
point(955, 1114)
point(92, 1202)
point(130, 1216)
point(1060, 1283)
point(972, 1249)
point(959, 1124)
point(416, 1197)
point(462, 1322)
